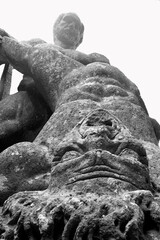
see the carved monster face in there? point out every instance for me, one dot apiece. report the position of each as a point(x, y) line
point(100, 147)
point(68, 31)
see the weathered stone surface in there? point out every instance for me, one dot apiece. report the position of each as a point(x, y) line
point(99, 146)
point(24, 166)
point(5, 82)
point(66, 215)
point(22, 116)
point(103, 86)
point(90, 137)
point(68, 31)
point(104, 178)
point(153, 154)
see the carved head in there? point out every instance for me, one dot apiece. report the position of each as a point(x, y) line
point(99, 148)
point(68, 31)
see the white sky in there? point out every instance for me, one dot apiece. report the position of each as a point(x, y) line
point(125, 31)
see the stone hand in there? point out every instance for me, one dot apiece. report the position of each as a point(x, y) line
point(97, 57)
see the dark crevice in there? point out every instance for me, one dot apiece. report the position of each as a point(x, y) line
point(58, 225)
point(149, 222)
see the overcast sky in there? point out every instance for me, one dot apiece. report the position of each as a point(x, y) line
point(127, 32)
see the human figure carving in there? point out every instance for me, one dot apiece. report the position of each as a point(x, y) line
point(16, 124)
point(99, 186)
point(23, 114)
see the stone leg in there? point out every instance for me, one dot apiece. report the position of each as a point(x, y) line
point(24, 166)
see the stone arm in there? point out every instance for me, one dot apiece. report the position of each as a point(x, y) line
point(15, 53)
point(84, 58)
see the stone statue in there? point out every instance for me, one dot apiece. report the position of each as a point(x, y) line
point(23, 119)
point(68, 31)
point(99, 142)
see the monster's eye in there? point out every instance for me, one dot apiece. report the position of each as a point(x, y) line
point(70, 155)
point(94, 122)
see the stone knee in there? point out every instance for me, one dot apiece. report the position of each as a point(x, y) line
point(24, 166)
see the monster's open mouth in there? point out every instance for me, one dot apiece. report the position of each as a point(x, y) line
point(102, 172)
point(108, 165)
point(125, 149)
point(103, 164)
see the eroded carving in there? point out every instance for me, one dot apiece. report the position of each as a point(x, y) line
point(67, 215)
point(99, 185)
point(100, 146)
